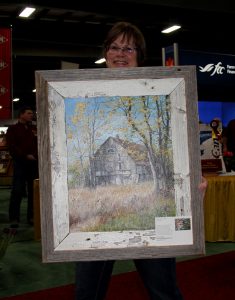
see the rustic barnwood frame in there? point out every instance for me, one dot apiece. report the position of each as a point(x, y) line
point(53, 88)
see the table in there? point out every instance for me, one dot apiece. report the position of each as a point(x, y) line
point(219, 209)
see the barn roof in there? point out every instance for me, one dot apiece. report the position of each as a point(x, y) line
point(136, 151)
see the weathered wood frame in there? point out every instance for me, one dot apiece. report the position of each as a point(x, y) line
point(58, 244)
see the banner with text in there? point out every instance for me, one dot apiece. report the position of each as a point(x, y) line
point(212, 68)
point(5, 74)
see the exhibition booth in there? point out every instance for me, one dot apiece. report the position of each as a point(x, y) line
point(215, 76)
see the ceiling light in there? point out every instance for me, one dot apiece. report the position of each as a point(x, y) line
point(3, 129)
point(100, 61)
point(170, 29)
point(34, 90)
point(26, 12)
point(16, 99)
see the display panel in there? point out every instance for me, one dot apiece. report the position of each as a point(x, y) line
point(208, 110)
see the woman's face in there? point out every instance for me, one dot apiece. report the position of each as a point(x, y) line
point(121, 54)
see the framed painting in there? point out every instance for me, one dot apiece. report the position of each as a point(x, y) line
point(119, 163)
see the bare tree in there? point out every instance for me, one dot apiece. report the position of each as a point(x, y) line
point(149, 118)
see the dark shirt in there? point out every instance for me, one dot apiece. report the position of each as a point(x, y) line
point(229, 134)
point(21, 140)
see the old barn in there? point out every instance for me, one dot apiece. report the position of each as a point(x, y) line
point(120, 162)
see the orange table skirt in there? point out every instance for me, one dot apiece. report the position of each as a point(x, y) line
point(219, 209)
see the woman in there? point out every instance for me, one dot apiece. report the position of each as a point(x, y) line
point(125, 47)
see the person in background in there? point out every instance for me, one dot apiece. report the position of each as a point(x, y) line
point(229, 137)
point(228, 142)
point(125, 47)
point(21, 139)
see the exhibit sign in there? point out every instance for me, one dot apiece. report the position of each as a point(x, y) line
point(5, 74)
point(212, 68)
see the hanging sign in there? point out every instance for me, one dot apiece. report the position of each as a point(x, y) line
point(212, 68)
point(5, 73)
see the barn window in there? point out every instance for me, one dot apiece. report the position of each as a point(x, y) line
point(111, 150)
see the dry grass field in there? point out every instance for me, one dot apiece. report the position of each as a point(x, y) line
point(115, 208)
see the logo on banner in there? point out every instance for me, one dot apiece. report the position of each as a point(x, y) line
point(218, 69)
point(3, 90)
point(214, 69)
point(3, 39)
point(3, 64)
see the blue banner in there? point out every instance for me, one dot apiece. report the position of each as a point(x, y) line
point(212, 69)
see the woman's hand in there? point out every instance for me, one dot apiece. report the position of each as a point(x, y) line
point(202, 186)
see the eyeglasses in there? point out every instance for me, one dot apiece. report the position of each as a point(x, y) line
point(127, 50)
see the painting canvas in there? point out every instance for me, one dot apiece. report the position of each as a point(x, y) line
point(122, 169)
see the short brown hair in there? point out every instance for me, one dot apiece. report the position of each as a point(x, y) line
point(129, 31)
point(23, 109)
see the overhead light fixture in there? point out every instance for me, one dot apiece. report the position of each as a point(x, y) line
point(34, 90)
point(170, 29)
point(3, 129)
point(100, 61)
point(26, 12)
point(16, 99)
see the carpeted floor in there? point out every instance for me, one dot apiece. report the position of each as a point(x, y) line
point(22, 272)
point(208, 278)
